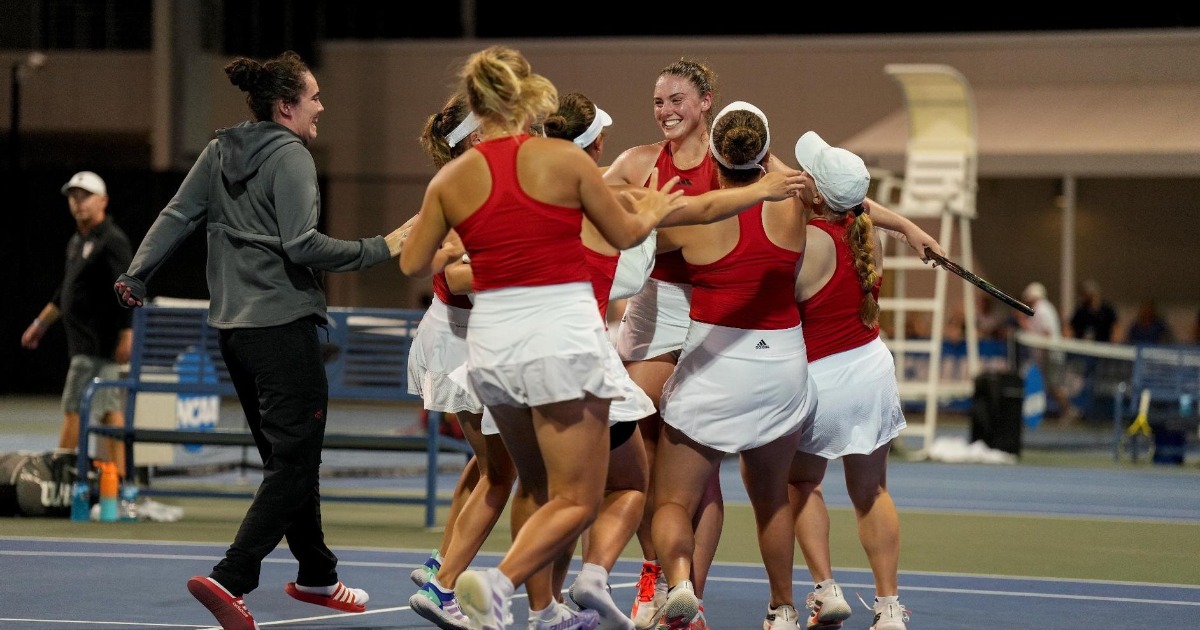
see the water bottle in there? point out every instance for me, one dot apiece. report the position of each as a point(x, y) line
point(81, 500)
point(108, 491)
point(128, 507)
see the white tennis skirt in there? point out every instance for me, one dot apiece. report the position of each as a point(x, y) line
point(530, 346)
point(440, 346)
point(860, 404)
point(656, 321)
point(633, 407)
point(633, 268)
point(736, 389)
point(635, 404)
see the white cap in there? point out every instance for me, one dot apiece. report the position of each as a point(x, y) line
point(88, 181)
point(1034, 292)
point(841, 176)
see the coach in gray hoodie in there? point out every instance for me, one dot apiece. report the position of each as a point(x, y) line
point(255, 188)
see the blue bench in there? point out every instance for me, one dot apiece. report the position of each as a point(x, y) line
point(368, 362)
point(1170, 372)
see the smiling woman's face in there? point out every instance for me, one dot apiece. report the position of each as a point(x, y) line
point(301, 117)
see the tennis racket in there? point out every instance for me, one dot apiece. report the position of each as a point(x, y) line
point(952, 266)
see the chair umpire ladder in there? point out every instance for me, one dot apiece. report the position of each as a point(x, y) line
point(939, 181)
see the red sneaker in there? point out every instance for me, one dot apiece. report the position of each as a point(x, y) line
point(651, 595)
point(343, 597)
point(230, 611)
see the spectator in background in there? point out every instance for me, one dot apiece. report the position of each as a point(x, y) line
point(99, 337)
point(918, 326)
point(1094, 317)
point(955, 330)
point(1045, 322)
point(991, 321)
point(1148, 326)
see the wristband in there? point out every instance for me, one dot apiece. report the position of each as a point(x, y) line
point(37, 321)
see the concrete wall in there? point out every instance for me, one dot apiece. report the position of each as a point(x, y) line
point(1137, 236)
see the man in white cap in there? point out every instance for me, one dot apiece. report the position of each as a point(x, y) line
point(1046, 322)
point(99, 337)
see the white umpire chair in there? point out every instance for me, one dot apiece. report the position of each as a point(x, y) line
point(939, 182)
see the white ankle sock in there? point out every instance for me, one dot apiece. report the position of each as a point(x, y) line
point(596, 571)
point(549, 613)
point(359, 595)
point(317, 590)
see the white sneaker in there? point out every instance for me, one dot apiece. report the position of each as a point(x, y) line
point(889, 614)
point(650, 597)
point(590, 592)
point(560, 616)
point(827, 607)
point(422, 574)
point(439, 607)
point(486, 598)
point(781, 618)
point(681, 608)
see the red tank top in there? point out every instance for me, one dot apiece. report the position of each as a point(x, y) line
point(670, 266)
point(442, 291)
point(831, 322)
point(603, 269)
point(515, 240)
point(751, 287)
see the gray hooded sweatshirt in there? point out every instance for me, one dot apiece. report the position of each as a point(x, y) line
point(255, 186)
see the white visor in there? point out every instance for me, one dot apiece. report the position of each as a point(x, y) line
point(464, 129)
point(752, 164)
point(599, 122)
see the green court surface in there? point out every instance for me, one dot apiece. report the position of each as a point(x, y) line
point(954, 518)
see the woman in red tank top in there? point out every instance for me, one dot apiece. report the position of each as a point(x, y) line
point(859, 411)
point(439, 348)
point(535, 353)
point(655, 320)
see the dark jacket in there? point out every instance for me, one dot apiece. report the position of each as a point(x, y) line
point(256, 187)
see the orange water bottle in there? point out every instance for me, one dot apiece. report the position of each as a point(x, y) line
point(109, 480)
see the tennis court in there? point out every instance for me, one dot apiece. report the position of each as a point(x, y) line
point(1071, 543)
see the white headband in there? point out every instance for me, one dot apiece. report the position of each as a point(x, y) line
point(752, 164)
point(599, 122)
point(464, 129)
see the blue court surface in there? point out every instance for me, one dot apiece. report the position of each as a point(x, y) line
point(53, 584)
point(69, 583)
point(99, 584)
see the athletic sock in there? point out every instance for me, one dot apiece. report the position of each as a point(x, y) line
point(549, 613)
point(317, 590)
point(596, 571)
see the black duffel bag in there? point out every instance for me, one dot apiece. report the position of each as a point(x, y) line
point(37, 484)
